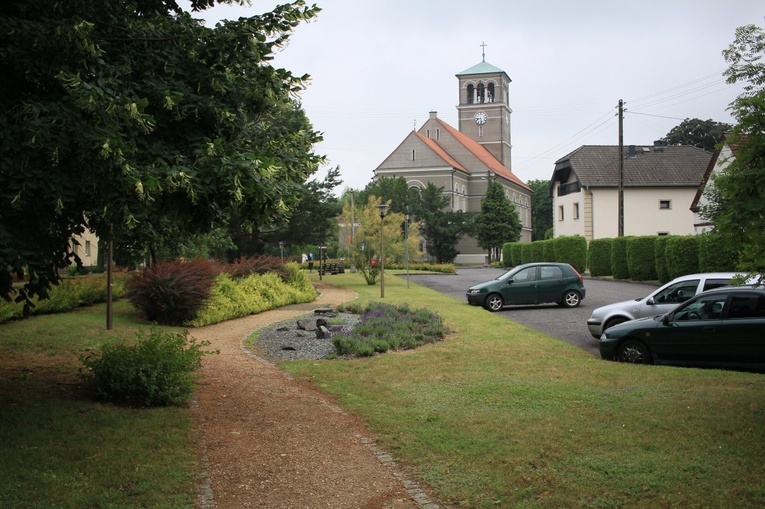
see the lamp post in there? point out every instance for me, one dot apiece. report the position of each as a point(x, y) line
point(382, 208)
point(406, 244)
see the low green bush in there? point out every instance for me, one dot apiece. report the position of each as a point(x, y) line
point(156, 371)
point(70, 293)
point(383, 327)
point(571, 249)
point(660, 251)
point(716, 253)
point(443, 268)
point(233, 298)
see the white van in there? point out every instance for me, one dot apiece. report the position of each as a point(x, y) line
point(661, 301)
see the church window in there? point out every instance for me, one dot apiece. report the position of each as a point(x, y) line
point(470, 92)
point(427, 133)
point(480, 131)
point(481, 93)
point(438, 134)
point(414, 155)
point(490, 93)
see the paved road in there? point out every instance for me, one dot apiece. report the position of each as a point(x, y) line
point(569, 325)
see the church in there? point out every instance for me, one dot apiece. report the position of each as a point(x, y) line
point(464, 160)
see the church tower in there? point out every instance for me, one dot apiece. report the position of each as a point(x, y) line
point(484, 108)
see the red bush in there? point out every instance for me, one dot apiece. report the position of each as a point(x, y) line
point(171, 293)
point(244, 267)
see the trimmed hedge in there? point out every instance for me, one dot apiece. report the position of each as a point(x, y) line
point(660, 250)
point(572, 250)
point(682, 255)
point(599, 257)
point(549, 249)
point(619, 266)
point(641, 258)
point(537, 252)
point(716, 254)
point(516, 250)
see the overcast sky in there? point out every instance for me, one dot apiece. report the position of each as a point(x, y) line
point(379, 66)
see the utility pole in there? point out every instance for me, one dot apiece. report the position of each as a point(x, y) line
point(621, 168)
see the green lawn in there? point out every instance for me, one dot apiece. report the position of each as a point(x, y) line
point(502, 416)
point(497, 415)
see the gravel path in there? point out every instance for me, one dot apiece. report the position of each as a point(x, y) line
point(271, 441)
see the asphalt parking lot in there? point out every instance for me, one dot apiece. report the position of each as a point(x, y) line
point(566, 324)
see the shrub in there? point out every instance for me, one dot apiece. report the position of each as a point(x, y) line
point(67, 295)
point(516, 250)
point(171, 293)
point(507, 255)
point(619, 266)
point(527, 256)
point(384, 327)
point(660, 250)
point(245, 267)
point(548, 249)
point(641, 258)
point(156, 371)
point(572, 250)
point(537, 251)
point(682, 255)
point(231, 298)
point(599, 257)
point(716, 254)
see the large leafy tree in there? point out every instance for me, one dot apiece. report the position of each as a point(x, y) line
point(440, 228)
point(395, 191)
point(497, 222)
point(697, 133)
point(737, 204)
point(133, 119)
point(541, 209)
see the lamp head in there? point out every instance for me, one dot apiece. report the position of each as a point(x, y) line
point(382, 208)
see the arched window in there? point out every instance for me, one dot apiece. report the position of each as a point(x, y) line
point(470, 93)
point(490, 94)
point(481, 93)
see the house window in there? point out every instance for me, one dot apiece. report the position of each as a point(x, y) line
point(661, 234)
point(414, 154)
point(560, 213)
point(438, 134)
point(576, 210)
point(427, 133)
point(87, 248)
point(665, 204)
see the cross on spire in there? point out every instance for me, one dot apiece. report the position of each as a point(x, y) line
point(483, 51)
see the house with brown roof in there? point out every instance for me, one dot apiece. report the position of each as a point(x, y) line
point(659, 184)
point(463, 161)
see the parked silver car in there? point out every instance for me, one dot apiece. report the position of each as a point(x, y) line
point(662, 300)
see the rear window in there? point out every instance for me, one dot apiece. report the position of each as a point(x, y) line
point(715, 283)
point(550, 272)
point(745, 306)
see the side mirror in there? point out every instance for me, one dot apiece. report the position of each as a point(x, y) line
point(665, 319)
point(650, 302)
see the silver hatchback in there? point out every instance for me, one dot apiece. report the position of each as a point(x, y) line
point(662, 300)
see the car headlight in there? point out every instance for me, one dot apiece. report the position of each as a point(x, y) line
point(474, 290)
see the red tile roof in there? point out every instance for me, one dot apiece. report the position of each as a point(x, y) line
point(482, 154)
point(441, 152)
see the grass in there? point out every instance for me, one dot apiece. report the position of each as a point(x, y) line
point(62, 449)
point(496, 415)
point(502, 416)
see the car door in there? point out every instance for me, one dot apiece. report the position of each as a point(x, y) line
point(742, 334)
point(522, 287)
point(552, 282)
point(692, 333)
point(667, 298)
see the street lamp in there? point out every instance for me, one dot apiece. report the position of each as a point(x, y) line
point(382, 208)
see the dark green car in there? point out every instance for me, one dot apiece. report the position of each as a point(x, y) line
point(721, 327)
point(532, 283)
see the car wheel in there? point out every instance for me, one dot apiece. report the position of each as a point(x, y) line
point(494, 302)
point(634, 351)
point(571, 299)
point(614, 321)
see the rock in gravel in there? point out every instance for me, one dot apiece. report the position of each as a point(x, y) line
point(306, 324)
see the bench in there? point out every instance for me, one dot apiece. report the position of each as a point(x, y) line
point(332, 268)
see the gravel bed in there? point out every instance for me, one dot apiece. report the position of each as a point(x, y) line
point(284, 341)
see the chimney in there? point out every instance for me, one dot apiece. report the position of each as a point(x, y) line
point(433, 114)
point(659, 145)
